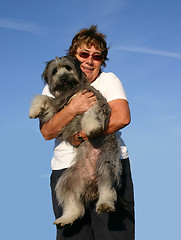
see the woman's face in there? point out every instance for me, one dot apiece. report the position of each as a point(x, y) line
point(91, 61)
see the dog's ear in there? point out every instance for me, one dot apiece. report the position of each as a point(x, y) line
point(44, 75)
point(77, 63)
point(79, 71)
point(81, 74)
point(74, 60)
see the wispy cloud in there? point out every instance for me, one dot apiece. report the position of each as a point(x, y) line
point(21, 26)
point(147, 50)
point(111, 7)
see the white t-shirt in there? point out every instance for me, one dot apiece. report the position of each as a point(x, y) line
point(111, 88)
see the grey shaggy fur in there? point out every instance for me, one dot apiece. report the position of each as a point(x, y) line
point(77, 187)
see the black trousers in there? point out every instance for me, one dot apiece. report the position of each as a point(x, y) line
point(119, 225)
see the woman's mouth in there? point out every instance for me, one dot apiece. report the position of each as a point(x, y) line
point(87, 68)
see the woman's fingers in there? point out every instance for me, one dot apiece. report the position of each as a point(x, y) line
point(82, 102)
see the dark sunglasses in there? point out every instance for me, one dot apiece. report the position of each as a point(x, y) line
point(95, 56)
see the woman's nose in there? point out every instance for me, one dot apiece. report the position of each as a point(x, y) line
point(90, 59)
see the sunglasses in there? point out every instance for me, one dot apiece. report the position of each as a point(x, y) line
point(95, 56)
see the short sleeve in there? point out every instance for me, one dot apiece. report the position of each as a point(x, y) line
point(110, 86)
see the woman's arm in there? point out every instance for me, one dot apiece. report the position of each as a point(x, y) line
point(120, 115)
point(78, 105)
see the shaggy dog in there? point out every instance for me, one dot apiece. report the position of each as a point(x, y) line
point(77, 187)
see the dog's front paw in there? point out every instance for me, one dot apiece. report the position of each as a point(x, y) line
point(37, 106)
point(91, 126)
point(105, 207)
point(92, 130)
point(35, 112)
point(92, 122)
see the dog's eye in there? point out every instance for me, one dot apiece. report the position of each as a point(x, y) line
point(68, 68)
point(54, 71)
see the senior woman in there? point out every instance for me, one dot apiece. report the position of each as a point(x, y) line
point(90, 48)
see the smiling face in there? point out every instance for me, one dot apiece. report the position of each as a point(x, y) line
point(92, 63)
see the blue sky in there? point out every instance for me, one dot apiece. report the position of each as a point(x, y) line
point(145, 53)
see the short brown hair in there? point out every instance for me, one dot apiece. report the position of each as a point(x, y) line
point(89, 37)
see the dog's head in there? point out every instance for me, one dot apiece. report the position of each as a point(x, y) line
point(63, 74)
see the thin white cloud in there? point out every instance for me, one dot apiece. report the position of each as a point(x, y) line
point(147, 50)
point(111, 7)
point(20, 26)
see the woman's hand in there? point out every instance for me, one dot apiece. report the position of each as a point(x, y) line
point(77, 138)
point(82, 102)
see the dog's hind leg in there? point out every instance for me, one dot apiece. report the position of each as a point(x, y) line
point(69, 191)
point(108, 174)
point(72, 210)
point(107, 198)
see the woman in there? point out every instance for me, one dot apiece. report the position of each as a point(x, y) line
point(90, 48)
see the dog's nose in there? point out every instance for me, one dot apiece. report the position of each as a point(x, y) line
point(63, 78)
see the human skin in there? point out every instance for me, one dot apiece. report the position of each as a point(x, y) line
point(89, 66)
